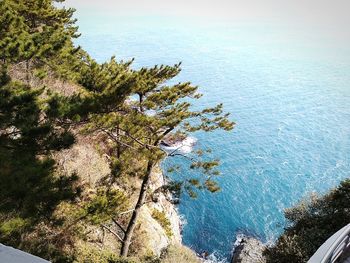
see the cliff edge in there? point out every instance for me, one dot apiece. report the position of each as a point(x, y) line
point(248, 250)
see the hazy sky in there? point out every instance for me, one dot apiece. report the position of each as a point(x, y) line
point(330, 16)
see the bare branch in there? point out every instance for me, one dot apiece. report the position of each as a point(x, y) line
point(120, 226)
point(183, 155)
point(116, 140)
point(125, 212)
point(175, 153)
point(113, 232)
point(163, 134)
point(135, 139)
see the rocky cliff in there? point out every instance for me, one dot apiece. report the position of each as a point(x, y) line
point(158, 238)
point(87, 160)
point(248, 250)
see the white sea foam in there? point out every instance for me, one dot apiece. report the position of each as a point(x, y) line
point(184, 146)
point(238, 241)
point(183, 220)
point(214, 258)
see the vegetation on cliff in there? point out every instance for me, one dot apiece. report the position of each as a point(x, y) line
point(310, 224)
point(53, 94)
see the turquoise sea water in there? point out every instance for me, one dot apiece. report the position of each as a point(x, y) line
point(288, 92)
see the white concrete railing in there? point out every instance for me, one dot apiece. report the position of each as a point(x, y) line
point(333, 248)
point(12, 255)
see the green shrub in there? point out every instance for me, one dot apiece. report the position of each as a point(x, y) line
point(311, 223)
point(162, 219)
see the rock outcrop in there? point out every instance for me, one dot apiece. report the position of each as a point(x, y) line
point(158, 239)
point(248, 250)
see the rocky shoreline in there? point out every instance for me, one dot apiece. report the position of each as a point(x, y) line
point(164, 205)
point(157, 240)
point(160, 240)
point(248, 250)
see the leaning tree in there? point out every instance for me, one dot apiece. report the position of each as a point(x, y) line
point(137, 129)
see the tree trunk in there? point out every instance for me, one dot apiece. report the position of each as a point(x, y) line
point(27, 72)
point(141, 200)
point(140, 101)
point(118, 144)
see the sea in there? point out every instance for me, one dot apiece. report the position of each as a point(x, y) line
point(287, 90)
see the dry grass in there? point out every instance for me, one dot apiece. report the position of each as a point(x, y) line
point(179, 254)
point(84, 160)
point(54, 84)
point(91, 254)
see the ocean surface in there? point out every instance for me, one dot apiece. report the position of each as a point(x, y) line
point(287, 90)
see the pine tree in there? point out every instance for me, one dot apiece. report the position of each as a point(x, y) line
point(29, 188)
point(34, 35)
point(37, 35)
point(139, 127)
